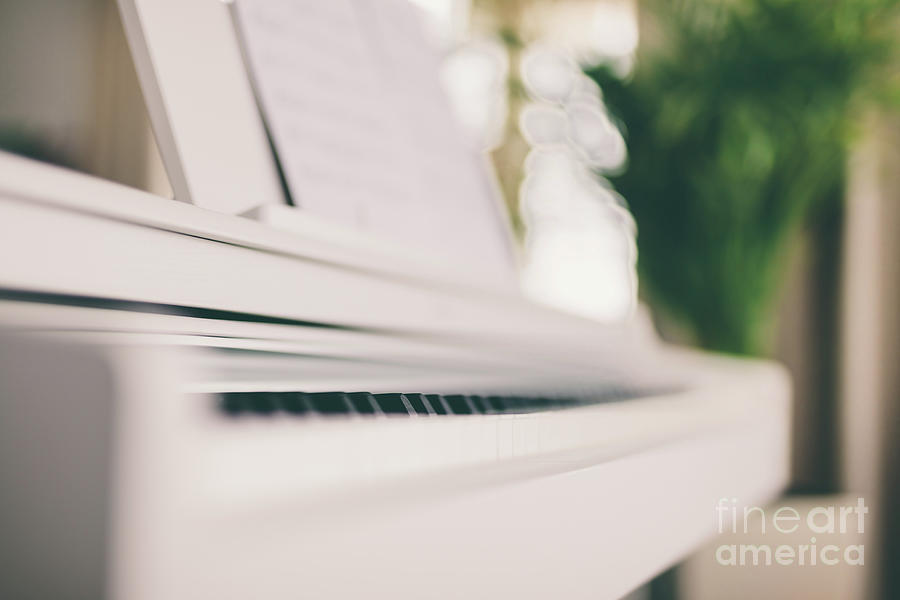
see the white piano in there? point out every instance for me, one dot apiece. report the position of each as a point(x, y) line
point(203, 401)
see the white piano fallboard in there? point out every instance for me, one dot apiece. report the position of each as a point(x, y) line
point(76, 235)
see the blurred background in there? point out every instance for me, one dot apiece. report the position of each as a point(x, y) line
point(734, 164)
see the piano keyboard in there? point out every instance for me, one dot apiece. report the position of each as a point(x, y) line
point(286, 462)
point(235, 404)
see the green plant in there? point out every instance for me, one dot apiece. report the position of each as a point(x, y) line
point(738, 118)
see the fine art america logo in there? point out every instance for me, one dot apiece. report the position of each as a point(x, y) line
point(786, 523)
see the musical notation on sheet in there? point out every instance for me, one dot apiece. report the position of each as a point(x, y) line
point(351, 96)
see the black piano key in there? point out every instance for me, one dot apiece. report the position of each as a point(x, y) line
point(295, 403)
point(393, 404)
point(480, 405)
point(516, 404)
point(417, 401)
point(363, 402)
point(262, 403)
point(330, 403)
point(539, 403)
point(459, 404)
point(437, 404)
point(233, 403)
point(497, 403)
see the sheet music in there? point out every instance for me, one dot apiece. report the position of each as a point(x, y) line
point(350, 93)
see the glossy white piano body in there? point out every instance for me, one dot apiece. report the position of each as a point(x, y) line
point(127, 315)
